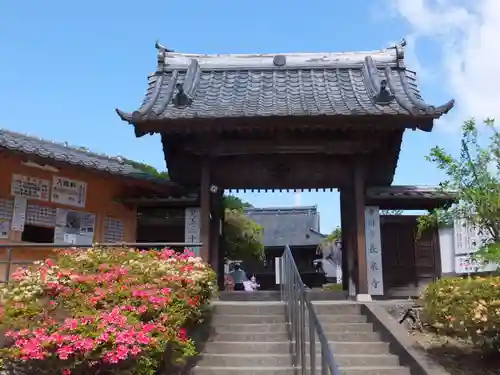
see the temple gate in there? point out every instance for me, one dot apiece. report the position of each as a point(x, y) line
point(284, 122)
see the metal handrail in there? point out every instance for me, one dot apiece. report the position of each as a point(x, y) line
point(297, 302)
point(141, 245)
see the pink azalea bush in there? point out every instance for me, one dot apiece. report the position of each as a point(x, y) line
point(103, 311)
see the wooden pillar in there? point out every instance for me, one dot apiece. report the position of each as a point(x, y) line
point(205, 203)
point(359, 219)
point(215, 230)
point(347, 250)
point(222, 252)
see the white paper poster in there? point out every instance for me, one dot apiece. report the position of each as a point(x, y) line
point(74, 227)
point(4, 228)
point(192, 224)
point(19, 213)
point(467, 264)
point(30, 187)
point(373, 251)
point(68, 192)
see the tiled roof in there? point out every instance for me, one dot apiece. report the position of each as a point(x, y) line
point(188, 86)
point(409, 197)
point(409, 192)
point(62, 152)
point(298, 226)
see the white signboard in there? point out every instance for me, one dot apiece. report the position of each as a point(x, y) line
point(68, 192)
point(466, 264)
point(19, 214)
point(373, 251)
point(192, 225)
point(466, 237)
point(30, 187)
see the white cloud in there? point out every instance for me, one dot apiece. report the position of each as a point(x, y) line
point(467, 34)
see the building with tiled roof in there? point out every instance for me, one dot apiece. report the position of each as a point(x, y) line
point(99, 197)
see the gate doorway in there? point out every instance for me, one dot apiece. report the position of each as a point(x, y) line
point(409, 264)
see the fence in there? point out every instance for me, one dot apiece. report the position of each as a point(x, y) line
point(9, 262)
point(298, 303)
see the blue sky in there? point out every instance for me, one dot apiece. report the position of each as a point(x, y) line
point(65, 66)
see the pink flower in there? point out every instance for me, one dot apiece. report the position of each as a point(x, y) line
point(64, 352)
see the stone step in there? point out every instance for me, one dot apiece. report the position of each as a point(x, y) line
point(282, 328)
point(288, 370)
point(267, 347)
point(245, 296)
point(341, 318)
point(280, 318)
point(278, 360)
point(283, 336)
point(249, 308)
point(250, 328)
point(219, 319)
point(271, 295)
point(337, 308)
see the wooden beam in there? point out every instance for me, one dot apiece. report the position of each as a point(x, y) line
point(275, 146)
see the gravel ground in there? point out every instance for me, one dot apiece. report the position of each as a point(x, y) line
point(457, 356)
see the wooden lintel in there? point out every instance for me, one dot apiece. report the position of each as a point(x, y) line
point(253, 147)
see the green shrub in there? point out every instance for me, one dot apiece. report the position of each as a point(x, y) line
point(103, 311)
point(467, 308)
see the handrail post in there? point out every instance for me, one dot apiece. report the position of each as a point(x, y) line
point(302, 321)
point(312, 345)
point(324, 363)
point(303, 332)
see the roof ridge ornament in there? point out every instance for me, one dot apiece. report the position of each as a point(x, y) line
point(162, 55)
point(400, 51)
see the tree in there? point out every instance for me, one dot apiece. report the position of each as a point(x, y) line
point(152, 171)
point(474, 177)
point(243, 237)
point(234, 203)
point(336, 235)
point(329, 247)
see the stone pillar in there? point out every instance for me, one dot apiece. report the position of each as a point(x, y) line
point(359, 240)
point(375, 274)
point(192, 219)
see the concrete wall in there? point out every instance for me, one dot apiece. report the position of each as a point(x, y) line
point(102, 190)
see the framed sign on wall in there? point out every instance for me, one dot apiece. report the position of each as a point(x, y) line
point(68, 192)
point(30, 187)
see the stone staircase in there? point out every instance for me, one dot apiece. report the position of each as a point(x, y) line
point(250, 338)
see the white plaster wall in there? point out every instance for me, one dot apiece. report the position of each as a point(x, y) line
point(446, 243)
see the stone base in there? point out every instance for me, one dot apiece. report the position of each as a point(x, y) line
point(363, 297)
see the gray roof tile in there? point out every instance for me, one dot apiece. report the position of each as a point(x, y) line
point(188, 86)
point(409, 192)
point(298, 226)
point(77, 156)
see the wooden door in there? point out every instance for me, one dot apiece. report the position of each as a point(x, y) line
point(408, 264)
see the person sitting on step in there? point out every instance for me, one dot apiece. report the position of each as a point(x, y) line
point(238, 276)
